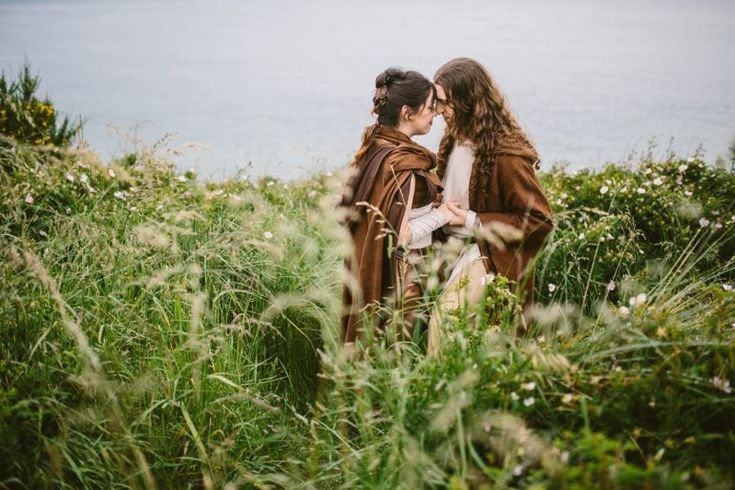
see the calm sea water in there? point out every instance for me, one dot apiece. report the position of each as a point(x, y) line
point(283, 87)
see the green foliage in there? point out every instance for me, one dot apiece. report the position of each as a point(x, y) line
point(616, 222)
point(27, 118)
point(160, 331)
point(150, 324)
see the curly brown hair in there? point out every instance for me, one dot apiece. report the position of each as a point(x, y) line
point(481, 117)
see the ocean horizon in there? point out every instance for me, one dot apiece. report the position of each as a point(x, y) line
point(284, 88)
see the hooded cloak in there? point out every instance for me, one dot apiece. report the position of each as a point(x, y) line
point(376, 199)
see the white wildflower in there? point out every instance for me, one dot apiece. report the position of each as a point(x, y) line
point(119, 195)
point(647, 171)
point(611, 286)
point(518, 470)
point(581, 236)
point(683, 167)
point(564, 456)
point(610, 237)
point(529, 401)
point(530, 386)
point(329, 173)
point(29, 198)
point(552, 287)
point(718, 225)
point(270, 183)
point(111, 173)
point(704, 222)
point(640, 190)
point(690, 160)
point(268, 235)
point(721, 384)
point(638, 300)
point(84, 179)
point(567, 398)
point(564, 195)
point(604, 189)
point(688, 193)
point(727, 287)
point(181, 178)
point(624, 310)
point(487, 279)
point(67, 210)
point(658, 181)
point(285, 186)
point(218, 192)
point(132, 209)
point(514, 396)
point(70, 177)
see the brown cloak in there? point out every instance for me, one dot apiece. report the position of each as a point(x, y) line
point(514, 197)
point(376, 198)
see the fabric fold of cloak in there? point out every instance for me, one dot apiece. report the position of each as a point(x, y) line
point(375, 200)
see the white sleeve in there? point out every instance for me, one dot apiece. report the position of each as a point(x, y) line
point(422, 226)
point(471, 219)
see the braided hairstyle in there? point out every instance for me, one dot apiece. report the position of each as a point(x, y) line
point(395, 88)
point(481, 117)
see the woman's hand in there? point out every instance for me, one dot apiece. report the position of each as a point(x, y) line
point(448, 215)
point(459, 214)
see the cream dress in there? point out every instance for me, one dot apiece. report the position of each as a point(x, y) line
point(467, 273)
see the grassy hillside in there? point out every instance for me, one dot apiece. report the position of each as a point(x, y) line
point(159, 332)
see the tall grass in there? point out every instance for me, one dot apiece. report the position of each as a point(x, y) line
point(154, 330)
point(160, 332)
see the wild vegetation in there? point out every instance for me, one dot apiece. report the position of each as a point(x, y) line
point(163, 332)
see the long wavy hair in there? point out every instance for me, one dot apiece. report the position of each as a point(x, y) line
point(394, 88)
point(481, 117)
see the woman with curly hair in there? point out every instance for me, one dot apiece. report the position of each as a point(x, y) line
point(487, 163)
point(389, 202)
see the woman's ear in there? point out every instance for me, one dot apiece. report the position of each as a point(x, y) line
point(406, 113)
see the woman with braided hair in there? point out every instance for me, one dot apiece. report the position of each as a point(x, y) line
point(487, 163)
point(389, 203)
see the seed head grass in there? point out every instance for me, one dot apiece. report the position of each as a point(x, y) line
point(160, 332)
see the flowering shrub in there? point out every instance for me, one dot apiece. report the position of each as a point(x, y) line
point(613, 223)
point(26, 118)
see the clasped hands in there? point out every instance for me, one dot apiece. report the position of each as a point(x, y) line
point(453, 213)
